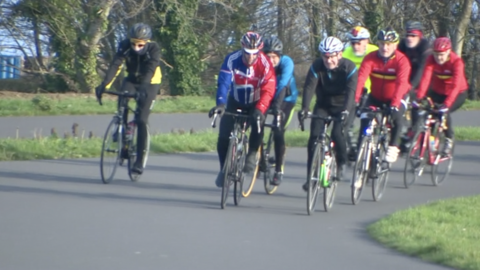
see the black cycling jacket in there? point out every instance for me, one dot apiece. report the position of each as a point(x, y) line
point(417, 57)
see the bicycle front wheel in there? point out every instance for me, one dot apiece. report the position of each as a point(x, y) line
point(228, 171)
point(415, 161)
point(268, 160)
point(239, 177)
point(443, 164)
point(111, 149)
point(313, 179)
point(379, 183)
point(360, 172)
point(331, 176)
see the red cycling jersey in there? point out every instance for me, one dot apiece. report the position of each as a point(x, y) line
point(389, 77)
point(447, 79)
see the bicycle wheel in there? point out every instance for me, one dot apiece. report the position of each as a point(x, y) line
point(379, 183)
point(111, 149)
point(269, 165)
point(228, 171)
point(331, 173)
point(442, 165)
point(415, 161)
point(249, 179)
point(132, 154)
point(313, 179)
point(239, 176)
point(360, 173)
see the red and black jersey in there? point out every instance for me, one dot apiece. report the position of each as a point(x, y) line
point(447, 79)
point(389, 77)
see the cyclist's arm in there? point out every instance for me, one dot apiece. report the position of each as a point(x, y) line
point(310, 85)
point(401, 83)
point(352, 77)
point(286, 75)
point(363, 74)
point(426, 78)
point(458, 75)
point(116, 66)
point(279, 97)
point(224, 81)
point(267, 88)
point(152, 74)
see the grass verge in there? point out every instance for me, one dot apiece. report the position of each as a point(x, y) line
point(43, 104)
point(202, 141)
point(446, 232)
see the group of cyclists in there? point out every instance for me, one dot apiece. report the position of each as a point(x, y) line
point(396, 73)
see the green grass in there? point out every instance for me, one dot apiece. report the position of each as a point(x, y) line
point(445, 232)
point(43, 104)
point(202, 141)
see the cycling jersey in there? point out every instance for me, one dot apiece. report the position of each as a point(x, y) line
point(142, 67)
point(417, 57)
point(447, 79)
point(389, 77)
point(245, 84)
point(286, 78)
point(335, 87)
point(348, 53)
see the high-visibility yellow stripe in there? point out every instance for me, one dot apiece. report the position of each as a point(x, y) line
point(113, 79)
point(444, 77)
point(385, 77)
point(157, 76)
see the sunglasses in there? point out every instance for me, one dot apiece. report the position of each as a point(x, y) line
point(411, 35)
point(139, 45)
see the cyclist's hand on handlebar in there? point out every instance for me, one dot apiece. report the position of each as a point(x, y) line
point(392, 110)
point(344, 115)
point(442, 109)
point(302, 114)
point(416, 104)
point(99, 91)
point(220, 109)
point(258, 115)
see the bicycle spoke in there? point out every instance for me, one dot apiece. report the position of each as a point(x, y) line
point(110, 155)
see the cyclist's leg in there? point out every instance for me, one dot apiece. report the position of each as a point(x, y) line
point(130, 87)
point(397, 123)
point(316, 128)
point(279, 136)
point(461, 98)
point(148, 94)
point(225, 128)
point(364, 120)
point(340, 140)
point(253, 143)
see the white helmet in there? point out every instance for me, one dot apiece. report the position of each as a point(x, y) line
point(330, 45)
point(358, 33)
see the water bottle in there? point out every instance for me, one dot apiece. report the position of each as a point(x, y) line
point(130, 129)
point(432, 143)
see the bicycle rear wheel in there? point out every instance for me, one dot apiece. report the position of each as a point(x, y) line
point(228, 171)
point(414, 163)
point(111, 149)
point(443, 164)
point(132, 154)
point(379, 183)
point(249, 179)
point(268, 154)
point(331, 174)
point(313, 179)
point(359, 173)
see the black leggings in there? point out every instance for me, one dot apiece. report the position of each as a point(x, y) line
point(337, 135)
point(226, 127)
point(439, 99)
point(396, 119)
point(279, 136)
point(144, 106)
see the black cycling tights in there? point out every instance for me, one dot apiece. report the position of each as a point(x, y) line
point(279, 136)
point(144, 106)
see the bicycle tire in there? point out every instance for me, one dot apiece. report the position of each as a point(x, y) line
point(379, 183)
point(313, 179)
point(227, 171)
point(417, 145)
point(249, 182)
point(132, 154)
point(330, 191)
point(358, 172)
point(112, 127)
point(239, 177)
point(436, 177)
point(268, 152)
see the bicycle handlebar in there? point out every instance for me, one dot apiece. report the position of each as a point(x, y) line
point(315, 116)
point(215, 116)
point(123, 94)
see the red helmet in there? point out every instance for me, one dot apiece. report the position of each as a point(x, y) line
point(252, 42)
point(442, 44)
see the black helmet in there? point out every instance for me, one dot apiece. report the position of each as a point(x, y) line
point(413, 25)
point(140, 31)
point(273, 45)
point(388, 35)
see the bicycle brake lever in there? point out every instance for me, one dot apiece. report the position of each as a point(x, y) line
point(214, 124)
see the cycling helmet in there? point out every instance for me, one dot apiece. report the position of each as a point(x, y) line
point(252, 42)
point(273, 45)
point(140, 31)
point(413, 26)
point(388, 35)
point(330, 45)
point(358, 33)
point(442, 44)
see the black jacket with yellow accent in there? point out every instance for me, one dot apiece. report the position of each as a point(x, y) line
point(142, 67)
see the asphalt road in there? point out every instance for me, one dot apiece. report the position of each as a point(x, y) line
point(27, 127)
point(56, 214)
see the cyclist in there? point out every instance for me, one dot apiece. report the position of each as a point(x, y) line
point(359, 47)
point(284, 100)
point(333, 79)
point(142, 58)
point(246, 80)
point(417, 49)
point(388, 69)
point(445, 70)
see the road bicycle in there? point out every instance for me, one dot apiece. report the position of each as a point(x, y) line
point(120, 141)
point(371, 163)
point(236, 154)
point(425, 148)
point(322, 173)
